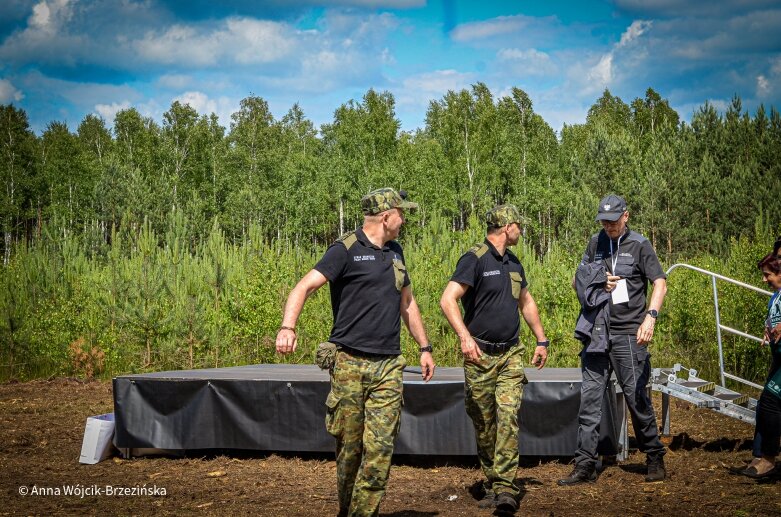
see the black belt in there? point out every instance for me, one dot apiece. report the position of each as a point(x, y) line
point(494, 348)
point(365, 355)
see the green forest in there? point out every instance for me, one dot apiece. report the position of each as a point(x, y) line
point(141, 246)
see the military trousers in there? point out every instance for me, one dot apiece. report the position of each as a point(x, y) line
point(493, 389)
point(632, 365)
point(363, 414)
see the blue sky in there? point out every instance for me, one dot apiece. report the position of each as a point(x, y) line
point(63, 59)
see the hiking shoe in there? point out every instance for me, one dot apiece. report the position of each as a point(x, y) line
point(579, 475)
point(656, 470)
point(506, 502)
point(488, 500)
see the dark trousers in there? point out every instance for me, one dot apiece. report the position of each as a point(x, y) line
point(768, 431)
point(632, 366)
point(768, 424)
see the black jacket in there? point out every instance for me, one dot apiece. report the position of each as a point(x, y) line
point(593, 326)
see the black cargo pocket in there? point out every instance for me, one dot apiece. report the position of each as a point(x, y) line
point(515, 282)
point(333, 416)
point(399, 272)
point(640, 352)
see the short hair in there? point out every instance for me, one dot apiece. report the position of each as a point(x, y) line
point(777, 246)
point(771, 263)
point(373, 218)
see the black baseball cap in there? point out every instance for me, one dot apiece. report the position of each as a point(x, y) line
point(611, 208)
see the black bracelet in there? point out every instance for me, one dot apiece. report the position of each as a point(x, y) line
point(426, 348)
point(543, 343)
point(283, 327)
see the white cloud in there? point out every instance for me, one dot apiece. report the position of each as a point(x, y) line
point(526, 62)
point(109, 111)
point(199, 101)
point(46, 38)
point(49, 16)
point(775, 69)
point(634, 31)
point(175, 81)
point(9, 93)
point(222, 106)
point(241, 40)
point(717, 39)
point(688, 8)
point(601, 74)
point(604, 73)
point(259, 41)
point(439, 82)
point(494, 27)
point(763, 86)
point(347, 47)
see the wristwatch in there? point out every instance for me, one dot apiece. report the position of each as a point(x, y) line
point(426, 348)
point(653, 313)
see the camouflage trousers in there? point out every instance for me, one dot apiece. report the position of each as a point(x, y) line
point(493, 391)
point(363, 414)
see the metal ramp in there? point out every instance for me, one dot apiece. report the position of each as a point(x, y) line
point(682, 383)
point(701, 393)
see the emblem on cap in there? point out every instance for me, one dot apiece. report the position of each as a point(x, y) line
point(606, 207)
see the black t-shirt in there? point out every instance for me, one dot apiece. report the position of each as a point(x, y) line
point(635, 260)
point(365, 284)
point(491, 302)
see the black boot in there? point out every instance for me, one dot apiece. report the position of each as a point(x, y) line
point(506, 502)
point(656, 470)
point(488, 500)
point(579, 475)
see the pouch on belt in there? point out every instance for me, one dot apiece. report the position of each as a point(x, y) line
point(325, 356)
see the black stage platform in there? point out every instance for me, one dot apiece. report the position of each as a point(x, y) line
point(282, 408)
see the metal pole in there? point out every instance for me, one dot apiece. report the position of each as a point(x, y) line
point(665, 414)
point(718, 330)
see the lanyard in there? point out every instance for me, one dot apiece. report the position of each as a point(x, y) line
point(614, 258)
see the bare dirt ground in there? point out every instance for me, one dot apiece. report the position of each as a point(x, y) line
point(42, 425)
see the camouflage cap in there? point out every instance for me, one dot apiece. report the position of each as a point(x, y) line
point(383, 199)
point(502, 215)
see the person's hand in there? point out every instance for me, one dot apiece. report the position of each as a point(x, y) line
point(286, 341)
point(646, 331)
point(471, 351)
point(540, 357)
point(775, 333)
point(611, 283)
point(427, 366)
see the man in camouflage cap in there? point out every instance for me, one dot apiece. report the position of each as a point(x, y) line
point(383, 199)
point(370, 294)
point(491, 284)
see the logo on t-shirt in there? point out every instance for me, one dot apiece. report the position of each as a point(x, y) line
point(359, 258)
point(774, 314)
point(492, 273)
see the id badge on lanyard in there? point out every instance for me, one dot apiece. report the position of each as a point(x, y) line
point(620, 294)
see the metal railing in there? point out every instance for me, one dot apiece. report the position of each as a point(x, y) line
point(719, 327)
